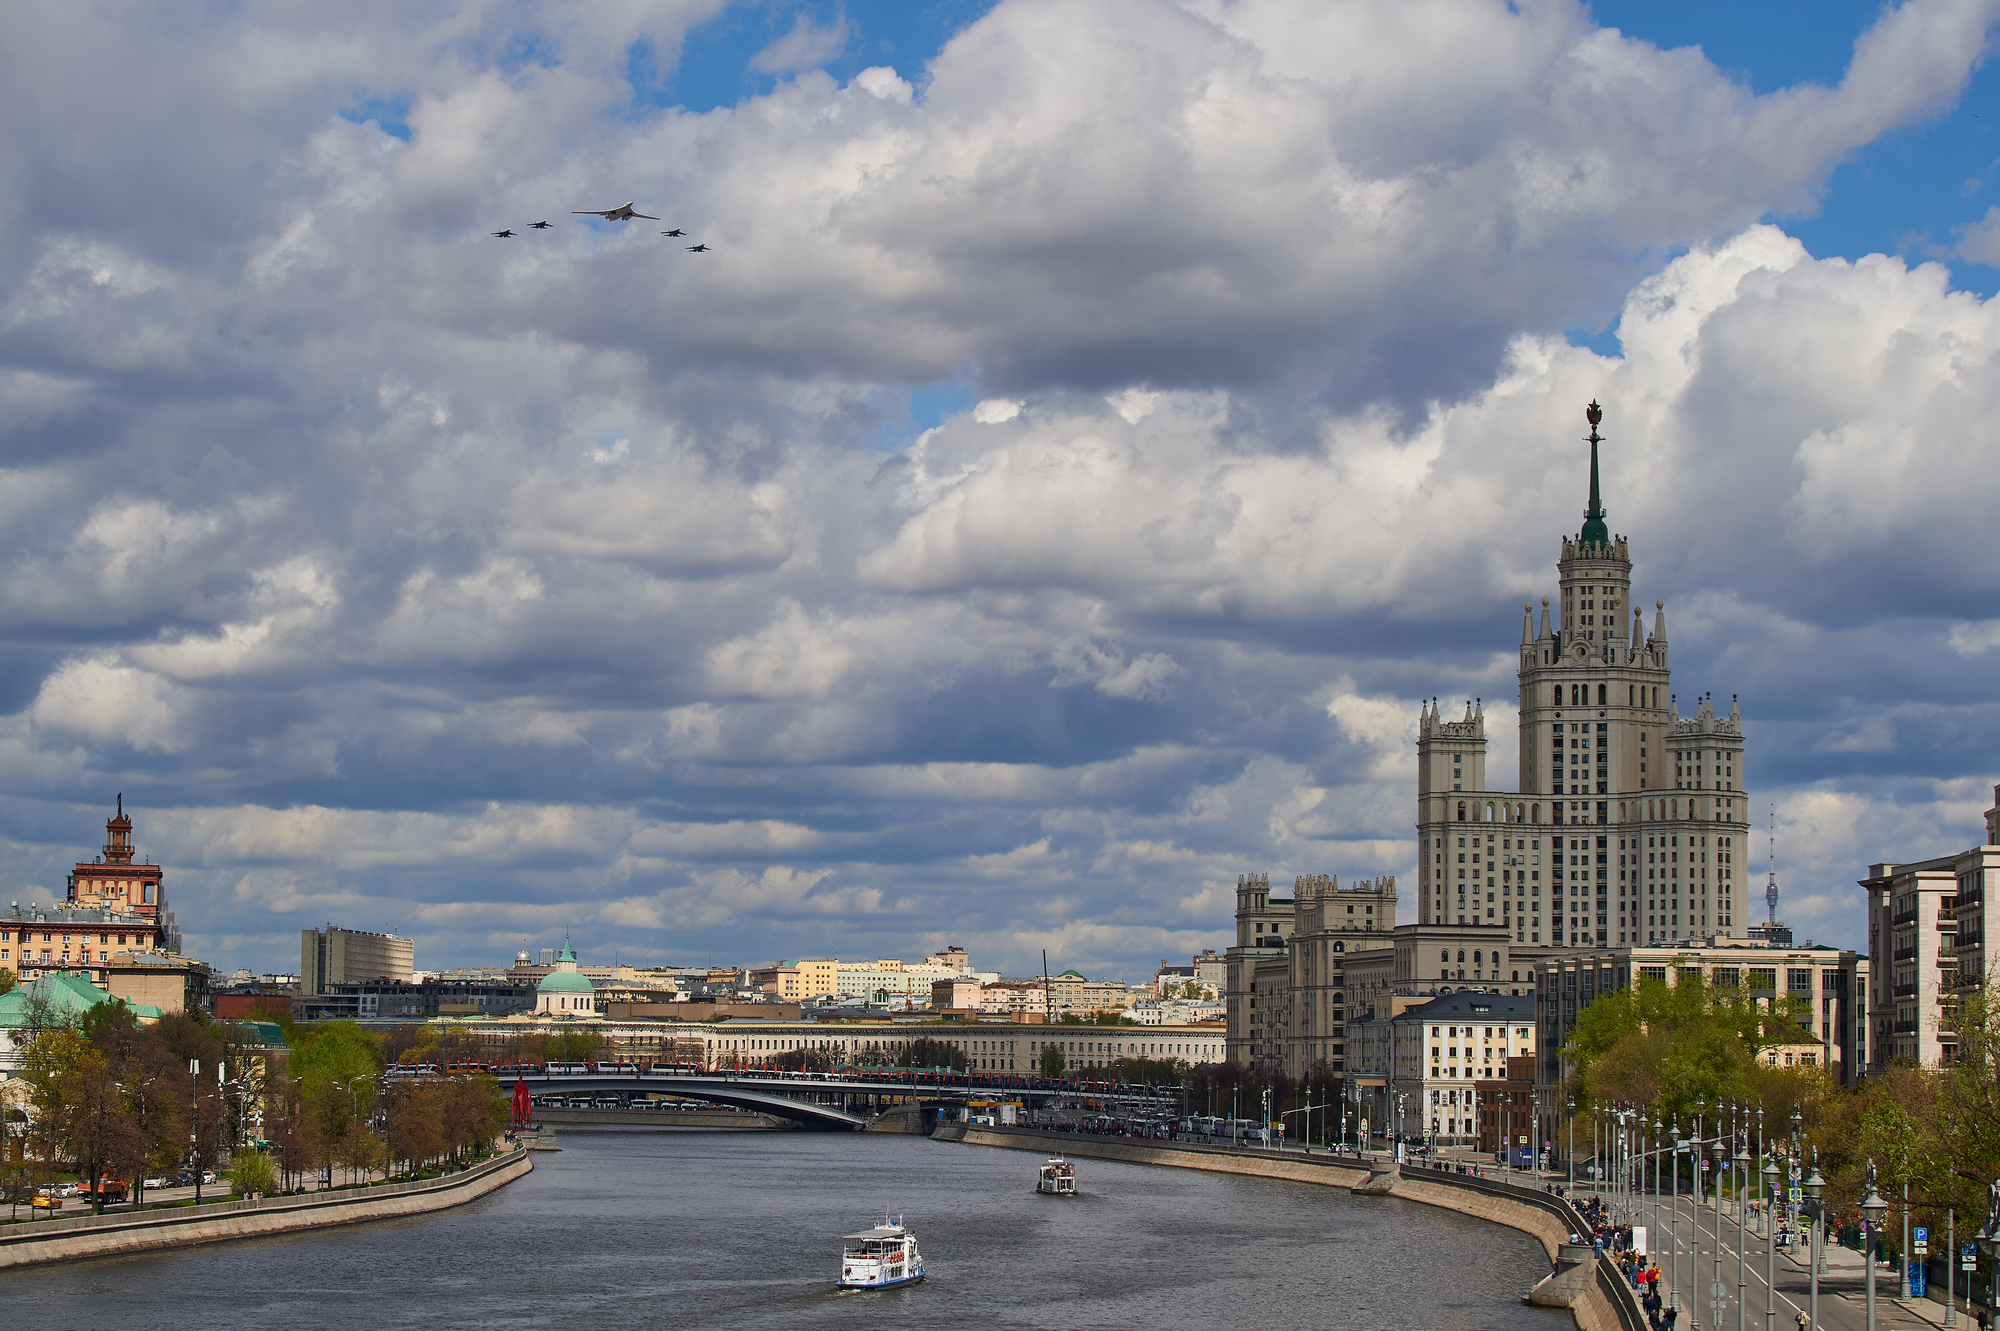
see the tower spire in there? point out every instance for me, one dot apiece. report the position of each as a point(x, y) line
point(1771, 862)
point(1594, 531)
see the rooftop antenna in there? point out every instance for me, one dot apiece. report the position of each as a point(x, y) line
point(1771, 887)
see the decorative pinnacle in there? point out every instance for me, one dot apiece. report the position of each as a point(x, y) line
point(1594, 531)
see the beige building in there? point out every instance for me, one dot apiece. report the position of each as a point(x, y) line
point(171, 984)
point(1425, 1066)
point(1927, 936)
point(1631, 823)
point(332, 956)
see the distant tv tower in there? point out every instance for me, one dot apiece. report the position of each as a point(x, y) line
point(1771, 887)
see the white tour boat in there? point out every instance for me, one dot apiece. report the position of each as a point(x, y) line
point(880, 1258)
point(1058, 1178)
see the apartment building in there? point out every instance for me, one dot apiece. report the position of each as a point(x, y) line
point(1927, 933)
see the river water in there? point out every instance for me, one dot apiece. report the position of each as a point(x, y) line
point(741, 1230)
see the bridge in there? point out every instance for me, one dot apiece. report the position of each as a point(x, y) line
point(829, 1101)
point(823, 1104)
point(841, 1100)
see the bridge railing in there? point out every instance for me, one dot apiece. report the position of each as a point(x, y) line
point(915, 1078)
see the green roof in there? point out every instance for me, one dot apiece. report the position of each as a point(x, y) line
point(565, 982)
point(71, 995)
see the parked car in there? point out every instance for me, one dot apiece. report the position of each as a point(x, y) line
point(47, 1199)
point(161, 1182)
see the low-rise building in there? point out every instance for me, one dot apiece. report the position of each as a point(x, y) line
point(65, 997)
point(749, 1041)
point(1421, 1065)
point(170, 984)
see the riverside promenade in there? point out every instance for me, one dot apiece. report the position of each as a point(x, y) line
point(78, 1238)
point(1597, 1296)
point(1686, 1249)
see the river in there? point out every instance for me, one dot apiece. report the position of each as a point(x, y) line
point(741, 1230)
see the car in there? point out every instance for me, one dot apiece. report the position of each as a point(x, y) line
point(66, 1189)
point(158, 1182)
point(47, 1199)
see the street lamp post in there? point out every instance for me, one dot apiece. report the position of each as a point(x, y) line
point(1903, 1257)
point(1674, 1218)
point(1694, 1217)
point(1950, 1267)
point(1741, 1176)
point(1569, 1151)
point(1873, 1208)
point(1721, 1158)
point(1813, 1187)
point(1771, 1176)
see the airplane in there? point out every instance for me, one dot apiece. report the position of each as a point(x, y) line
point(697, 249)
point(502, 235)
point(675, 232)
point(540, 226)
point(622, 213)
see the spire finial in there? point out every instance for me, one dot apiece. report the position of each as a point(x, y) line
point(1594, 531)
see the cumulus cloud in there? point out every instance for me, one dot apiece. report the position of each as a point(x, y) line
point(484, 588)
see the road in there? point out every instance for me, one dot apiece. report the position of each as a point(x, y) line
point(1842, 1286)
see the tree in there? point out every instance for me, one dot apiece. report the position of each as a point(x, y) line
point(574, 1046)
point(7, 980)
point(251, 1172)
point(334, 1065)
point(1053, 1061)
point(802, 1060)
point(926, 1052)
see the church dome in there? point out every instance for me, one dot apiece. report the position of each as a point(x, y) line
point(565, 978)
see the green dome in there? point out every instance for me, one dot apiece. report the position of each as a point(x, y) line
point(564, 982)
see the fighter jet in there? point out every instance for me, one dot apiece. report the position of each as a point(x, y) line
point(622, 213)
point(540, 226)
point(675, 232)
point(502, 235)
point(697, 249)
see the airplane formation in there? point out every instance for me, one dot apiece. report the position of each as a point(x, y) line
point(624, 212)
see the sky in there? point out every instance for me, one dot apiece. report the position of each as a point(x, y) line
point(1093, 429)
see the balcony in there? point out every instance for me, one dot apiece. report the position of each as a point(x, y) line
point(1904, 954)
point(1903, 991)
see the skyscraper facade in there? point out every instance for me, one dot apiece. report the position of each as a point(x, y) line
point(1630, 823)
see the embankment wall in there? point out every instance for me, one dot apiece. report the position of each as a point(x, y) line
point(77, 1238)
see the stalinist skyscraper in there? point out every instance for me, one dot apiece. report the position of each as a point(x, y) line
point(1631, 822)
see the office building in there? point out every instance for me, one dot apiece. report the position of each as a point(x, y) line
point(331, 957)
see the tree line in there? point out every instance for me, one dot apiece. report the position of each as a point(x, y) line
point(104, 1096)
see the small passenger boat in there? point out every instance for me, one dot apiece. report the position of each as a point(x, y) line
point(880, 1258)
point(1058, 1178)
